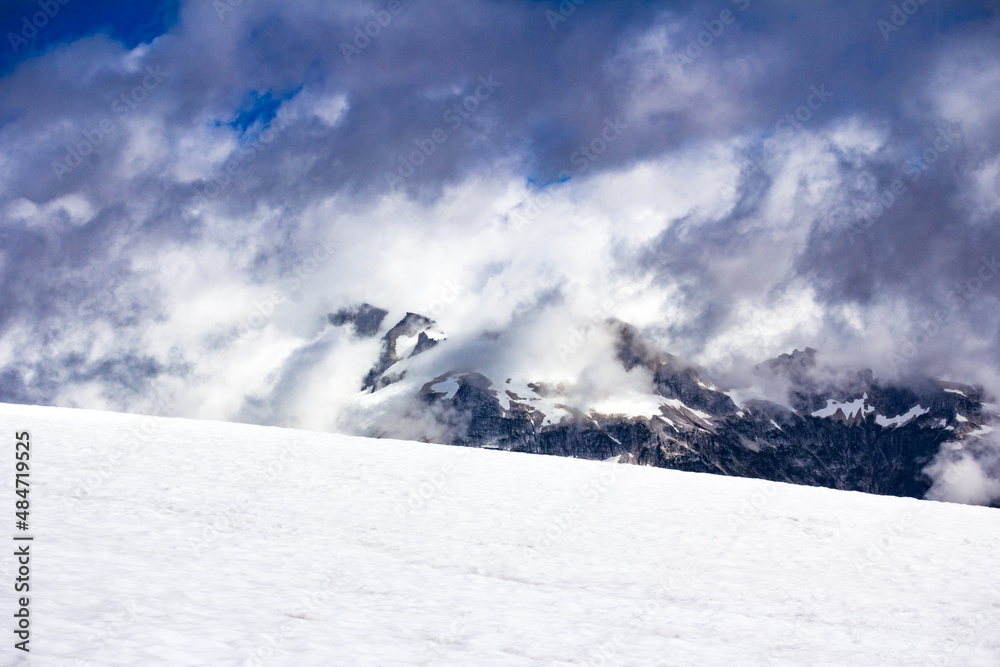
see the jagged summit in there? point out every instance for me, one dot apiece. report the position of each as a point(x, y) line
point(408, 338)
point(796, 366)
point(366, 319)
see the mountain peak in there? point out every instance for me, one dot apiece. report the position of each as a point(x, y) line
point(409, 337)
point(366, 319)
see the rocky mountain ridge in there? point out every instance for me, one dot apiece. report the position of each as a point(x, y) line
point(838, 429)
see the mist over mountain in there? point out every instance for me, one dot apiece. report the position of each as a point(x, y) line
point(793, 419)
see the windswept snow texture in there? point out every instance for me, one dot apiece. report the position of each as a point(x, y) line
point(199, 543)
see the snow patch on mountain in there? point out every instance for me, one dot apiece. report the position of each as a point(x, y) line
point(908, 416)
point(449, 386)
point(857, 406)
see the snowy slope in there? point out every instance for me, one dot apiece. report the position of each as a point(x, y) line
point(201, 543)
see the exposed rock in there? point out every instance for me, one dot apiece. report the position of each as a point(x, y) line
point(841, 430)
point(366, 318)
point(424, 342)
point(411, 325)
point(763, 439)
point(673, 378)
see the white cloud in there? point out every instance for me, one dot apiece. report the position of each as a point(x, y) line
point(960, 478)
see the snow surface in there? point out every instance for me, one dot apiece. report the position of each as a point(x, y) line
point(174, 542)
point(554, 406)
point(405, 345)
point(449, 386)
point(632, 404)
point(683, 408)
point(858, 405)
point(902, 419)
point(955, 391)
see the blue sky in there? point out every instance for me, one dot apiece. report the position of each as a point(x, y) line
point(131, 23)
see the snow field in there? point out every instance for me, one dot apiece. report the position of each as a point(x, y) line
point(203, 543)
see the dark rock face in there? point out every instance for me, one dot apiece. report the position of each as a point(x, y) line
point(673, 379)
point(424, 342)
point(843, 430)
point(411, 325)
point(366, 318)
point(763, 440)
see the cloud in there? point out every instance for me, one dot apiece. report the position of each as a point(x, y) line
point(187, 264)
point(968, 474)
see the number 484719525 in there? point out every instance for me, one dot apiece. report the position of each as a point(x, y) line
point(22, 452)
